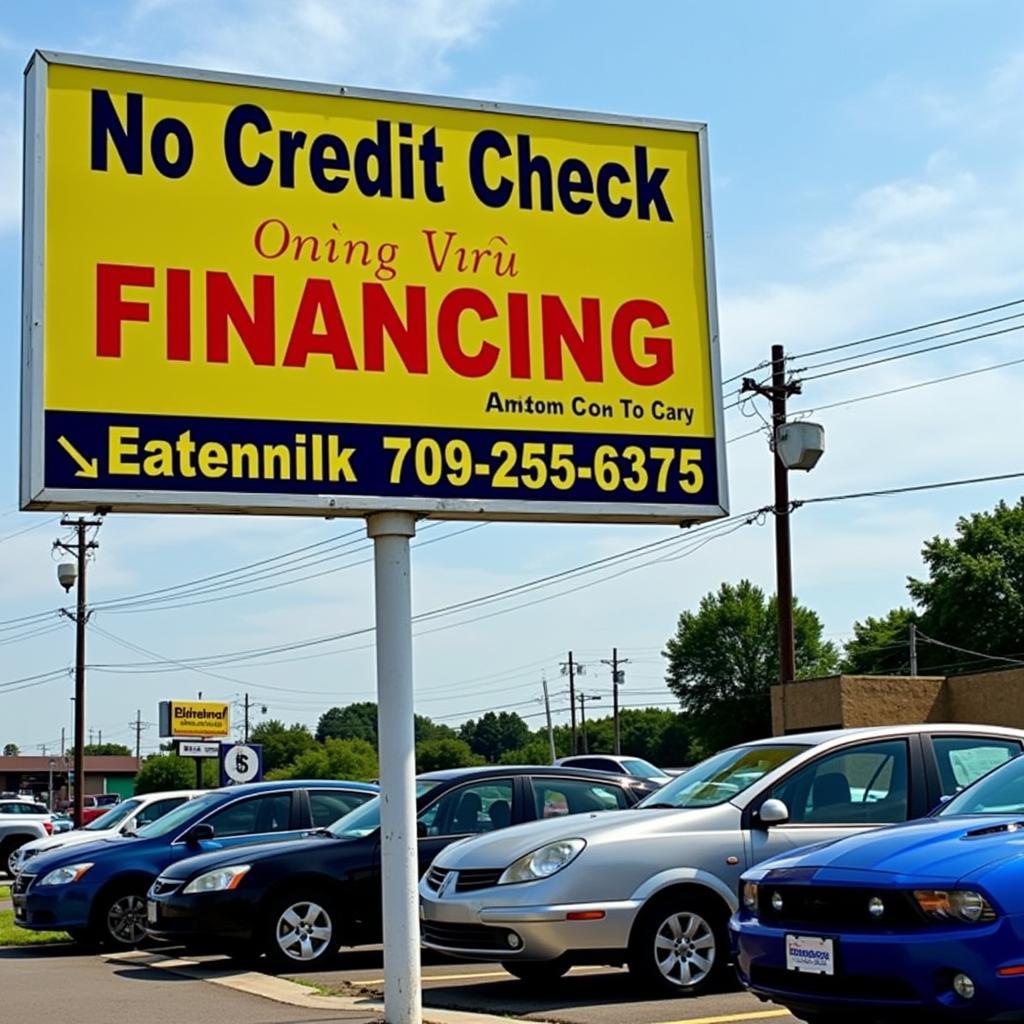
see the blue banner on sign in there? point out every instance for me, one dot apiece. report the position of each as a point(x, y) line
point(241, 763)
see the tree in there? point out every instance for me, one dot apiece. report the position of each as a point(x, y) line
point(355, 760)
point(353, 722)
point(106, 750)
point(724, 658)
point(880, 646)
point(435, 755)
point(428, 729)
point(537, 750)
point(281, 744)
point(492, 734)
point(11, 750)
point(165, 771)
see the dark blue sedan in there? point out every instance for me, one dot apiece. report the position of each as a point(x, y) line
point(97, 891)
point(922, 920)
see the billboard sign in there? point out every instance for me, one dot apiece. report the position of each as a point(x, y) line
point(198, 748)
point(200, 719)
point(241, 762)
point(254, 295)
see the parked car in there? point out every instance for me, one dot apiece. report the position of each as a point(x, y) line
point(654, 887)
point(919, 918)
point(619, 764)
point(97, 804)
point(62, 823)
point(97, 891)
point(122, 819)
point(20, 811)
point(14, 835)
point(298, 903)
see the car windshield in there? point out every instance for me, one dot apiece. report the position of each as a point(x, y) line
point(113, 817)
point(641, 769)
point(176, 818)
point(722, 776)
point(366, 819)
point(999, 792)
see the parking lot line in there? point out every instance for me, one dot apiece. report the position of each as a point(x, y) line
point(730, 1017)
point(461, 977)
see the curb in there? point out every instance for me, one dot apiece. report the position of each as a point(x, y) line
point(280, 990)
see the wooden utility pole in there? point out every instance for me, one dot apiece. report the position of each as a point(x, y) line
point(617, 677)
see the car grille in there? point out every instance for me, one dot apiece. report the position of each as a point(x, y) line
point(164, 887)
point(465, 936)
point(849, 986)
point(22, 882)
point(836, 908)
point(465, 881)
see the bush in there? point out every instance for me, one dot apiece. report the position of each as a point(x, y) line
point(435, 755)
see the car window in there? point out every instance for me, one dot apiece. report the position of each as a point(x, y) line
point(157, 809)
point(1002, 792)
point(172, 820)
point(863, 785)
point(600, 764)
point(962, 759)
point(269, 812)
point(113, 817)
point(556, 797)
point(478, 807)
point(326, 806)
point(366, 819)
point(641, 769)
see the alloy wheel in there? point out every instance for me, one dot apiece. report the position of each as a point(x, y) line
point(304, 931)
point(126, 919)
point(684, 949)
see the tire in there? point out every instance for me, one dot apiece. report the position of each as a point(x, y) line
point(537, 973)
point(679, 945)
point(119, 917)
point(7, 850)
point(301, 930)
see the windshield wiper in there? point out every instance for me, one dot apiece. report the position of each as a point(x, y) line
point(658, 807)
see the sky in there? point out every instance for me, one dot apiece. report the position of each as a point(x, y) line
point(867, 176)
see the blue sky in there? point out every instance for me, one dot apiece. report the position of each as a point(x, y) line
point(867, 175)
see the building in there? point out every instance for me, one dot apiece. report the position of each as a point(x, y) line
point(988, 698)
point(103, 774)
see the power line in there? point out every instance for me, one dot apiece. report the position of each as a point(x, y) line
point(965, 650)
point(905, 490)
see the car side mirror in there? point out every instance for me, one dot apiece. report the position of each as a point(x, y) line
point(198, 834)
point(421, 830)
point(773, 812)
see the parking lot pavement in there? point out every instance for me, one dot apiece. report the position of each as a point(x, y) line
point(585, 996)
point(61, 984)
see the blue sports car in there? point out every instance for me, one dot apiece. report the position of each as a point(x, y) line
point(919, 921)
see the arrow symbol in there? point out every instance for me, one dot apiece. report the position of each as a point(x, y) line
point(89, 468)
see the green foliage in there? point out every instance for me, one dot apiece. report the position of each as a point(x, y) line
point(723, 660)
point(107, 750)
point(880, 646)
point(447, 752)
point(165, 771)
point(535, 751)
point(427, 729)
point(352, 722)
point(11, 750)
point(281, 744)
point(355, 760)
point(492, 735)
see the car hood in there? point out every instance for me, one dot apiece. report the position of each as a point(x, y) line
point(73, 853)
point(63, 840)
point(496, 849)
point(210, 861)
point(943, 849)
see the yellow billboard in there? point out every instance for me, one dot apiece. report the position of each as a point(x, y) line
point(194, 718)
point(255, 295)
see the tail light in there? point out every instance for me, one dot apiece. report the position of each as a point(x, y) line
point(48, 825)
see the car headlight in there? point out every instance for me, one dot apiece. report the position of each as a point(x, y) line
point(544, 862)
point(66, 875)
point(217, 881)
point(750, 895)
point(955, 905)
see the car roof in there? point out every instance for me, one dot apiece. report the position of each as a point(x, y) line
point(498, 770)
point(823, 736)
point(269, 787)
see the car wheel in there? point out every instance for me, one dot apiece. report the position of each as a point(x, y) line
point(7, 850)
point(302, 931)
point(679, 945)
point(537, 972)
point(120, 918)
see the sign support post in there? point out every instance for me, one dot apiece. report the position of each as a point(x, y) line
point(390, 532)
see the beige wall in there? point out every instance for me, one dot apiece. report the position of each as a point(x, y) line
point(994, 698)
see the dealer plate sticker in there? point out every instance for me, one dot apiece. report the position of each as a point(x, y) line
point(152, 913)
point(810, 954)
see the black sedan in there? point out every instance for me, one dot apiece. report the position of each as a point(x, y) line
point(298, 902)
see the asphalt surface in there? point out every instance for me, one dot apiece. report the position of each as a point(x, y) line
point(60, 984)
point(584, 996)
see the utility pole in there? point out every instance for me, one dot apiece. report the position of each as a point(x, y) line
point(100, 740)
point(137, 726)
point(245, 731)
point(778, 393)
point(584, 697)
point(62, 741)
point(618, 678)
point(67, 575)
point(913, 648)
point(547, 711)
point(573, 669)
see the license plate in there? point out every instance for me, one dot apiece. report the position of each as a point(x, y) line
point(152, 911)
point(19, 913)
point(810, 954)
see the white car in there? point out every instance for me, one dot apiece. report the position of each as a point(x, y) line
point(123, 819)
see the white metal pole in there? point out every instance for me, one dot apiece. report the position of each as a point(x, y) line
point(390, 532)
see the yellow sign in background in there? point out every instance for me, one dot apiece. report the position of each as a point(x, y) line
point(195, 718)
point(242, 252)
